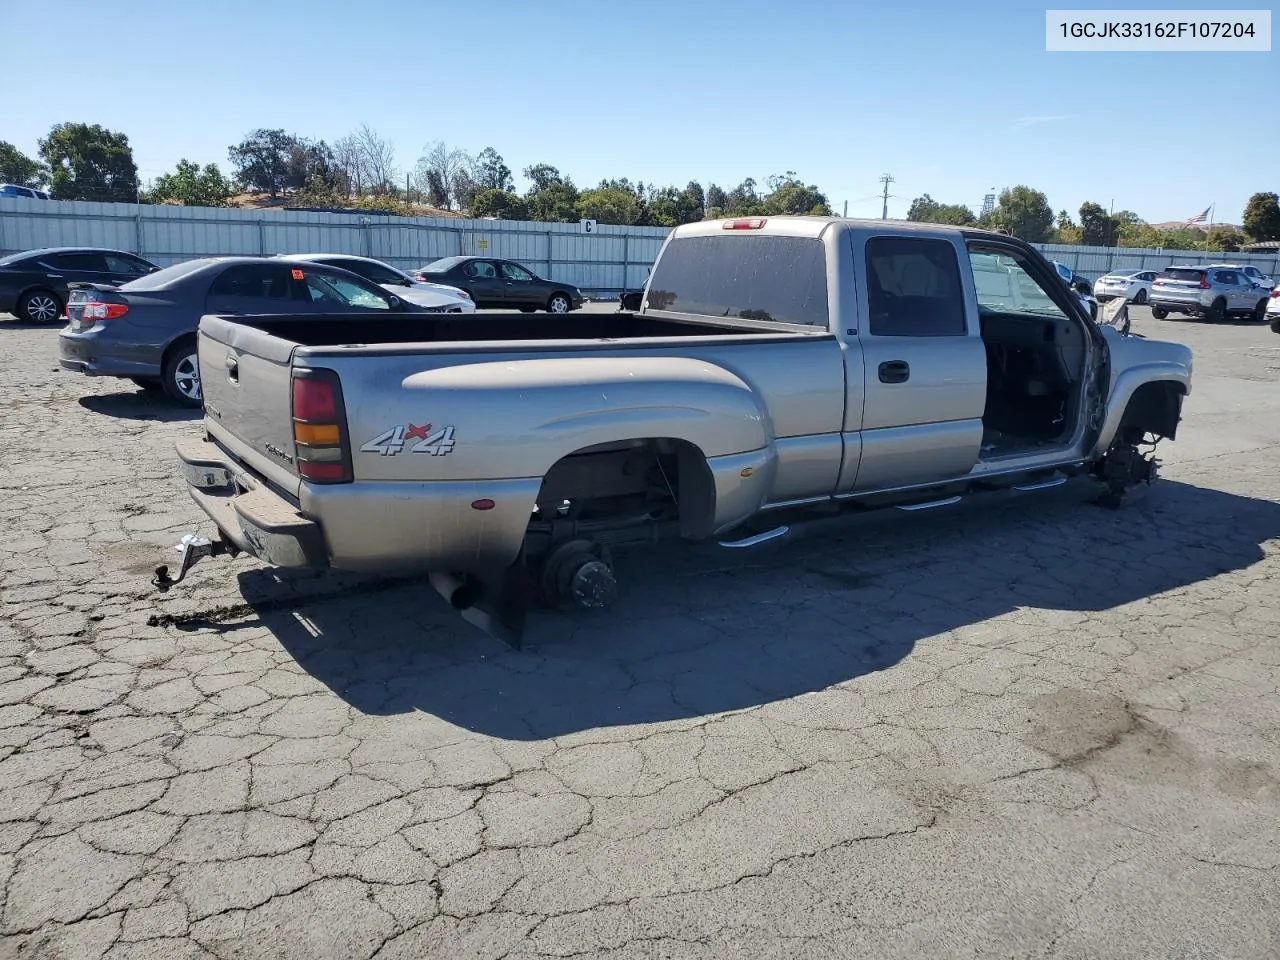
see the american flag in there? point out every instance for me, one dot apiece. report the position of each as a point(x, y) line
point(1200, 217)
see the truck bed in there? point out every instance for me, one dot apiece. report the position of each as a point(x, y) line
point(313, 331)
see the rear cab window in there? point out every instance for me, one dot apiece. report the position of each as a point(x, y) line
point(782, 279)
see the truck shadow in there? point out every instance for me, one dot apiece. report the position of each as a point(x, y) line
point(694, 635)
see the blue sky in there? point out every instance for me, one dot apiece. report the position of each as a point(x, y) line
point(950, 98)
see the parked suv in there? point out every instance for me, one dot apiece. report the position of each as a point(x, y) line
point(14, 190)
point(1248, 269)
point(1210, 292)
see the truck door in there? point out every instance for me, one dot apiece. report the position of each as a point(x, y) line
point(925, 368)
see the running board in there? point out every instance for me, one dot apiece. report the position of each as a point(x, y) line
point(930, 504)
point(756, 540)
point(1042, 485)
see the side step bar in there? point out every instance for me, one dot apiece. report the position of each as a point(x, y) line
point(931, 504)
point(1042, 485)
point(755, 541)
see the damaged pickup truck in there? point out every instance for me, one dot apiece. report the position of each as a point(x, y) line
point(778, 371)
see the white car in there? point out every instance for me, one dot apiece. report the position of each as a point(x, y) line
point(1134, 286)
point(1273, 304)
point(421, 292)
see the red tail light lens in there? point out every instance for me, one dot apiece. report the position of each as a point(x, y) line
point(1275, 294)
point(1204, 284)
point(314, 399)
point(320, 427)
point(97, 310)
point(745, 223)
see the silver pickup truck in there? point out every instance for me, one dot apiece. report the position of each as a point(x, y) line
point(778, 370)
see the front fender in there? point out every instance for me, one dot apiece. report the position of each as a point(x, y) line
point(1136, 362)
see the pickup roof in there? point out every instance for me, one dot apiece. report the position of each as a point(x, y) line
point(778, 370)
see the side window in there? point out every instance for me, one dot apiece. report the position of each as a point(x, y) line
point(259, 281)
point(480, 269)
point(913, 288)
point(116, 263)
point(375, 272)
point(1003, 285)
point(1224, 276)
point(325, 288)
point(512, 271)
point(79, 261)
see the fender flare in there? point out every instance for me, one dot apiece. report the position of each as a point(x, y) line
point(1164, 379)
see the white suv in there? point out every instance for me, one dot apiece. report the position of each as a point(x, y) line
point(13, 190)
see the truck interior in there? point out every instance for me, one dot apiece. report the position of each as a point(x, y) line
point(1036, 355)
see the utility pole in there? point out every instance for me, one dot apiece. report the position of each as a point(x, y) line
point(846, 210)
point(884, 211)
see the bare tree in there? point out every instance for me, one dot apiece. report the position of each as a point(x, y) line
point(350, 159)
point(444, 174)
point(378, 157)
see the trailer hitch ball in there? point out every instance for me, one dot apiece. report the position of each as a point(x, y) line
point(593, 585)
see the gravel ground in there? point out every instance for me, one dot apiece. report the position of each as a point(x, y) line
point(1029, 730)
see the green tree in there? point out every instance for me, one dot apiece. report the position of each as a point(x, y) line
point(608, 205)
point(491, 173)
point(503, 204)
point(742, 200)
point(1097, 227)
point(262, 161)
point(89, 162)
point(1226, 238)
point(716, 197)
point(553, 197)
point(670, 207)
point(16, 167)
point(192, 186)
point(1024, 213)
point(1262, 217)
point(924, 209)
point(789, 195)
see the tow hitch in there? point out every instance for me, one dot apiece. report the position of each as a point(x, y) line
point(193, 547)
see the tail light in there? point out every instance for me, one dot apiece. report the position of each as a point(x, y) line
point(746, 223)
point(1204, 284)
point(320, 427)
point(98, 310)
point(1275, 294)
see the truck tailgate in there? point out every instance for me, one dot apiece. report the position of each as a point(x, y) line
point(245, 377)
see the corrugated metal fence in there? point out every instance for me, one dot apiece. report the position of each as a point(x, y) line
point(603, 261)
point(1093, 262)
point(600, 263)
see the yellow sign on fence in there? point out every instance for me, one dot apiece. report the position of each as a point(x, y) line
point(484, 244)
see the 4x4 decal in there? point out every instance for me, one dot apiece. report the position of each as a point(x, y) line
point(438, 443)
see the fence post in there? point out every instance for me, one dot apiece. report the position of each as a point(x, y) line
point(548, 254)
point(262, 237)
point(138, 232)
point(626, 259)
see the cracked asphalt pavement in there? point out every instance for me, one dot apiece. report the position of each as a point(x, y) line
point(1033, 729)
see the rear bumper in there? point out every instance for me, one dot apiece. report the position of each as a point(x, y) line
point(247, 513)
point(371, 527)
point(1176, 306)
point(97, 357)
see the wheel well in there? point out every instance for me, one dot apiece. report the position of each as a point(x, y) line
point(1155, 407)
point(174, 344)
point(662, 477)
point(560, 293)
